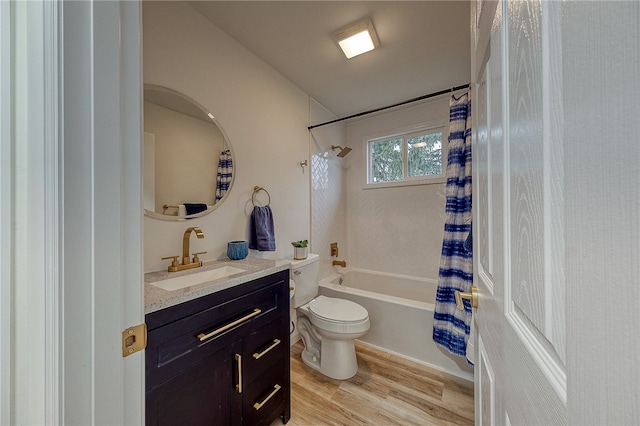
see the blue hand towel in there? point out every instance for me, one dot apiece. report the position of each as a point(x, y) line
point(261, 231)
point(193, 208)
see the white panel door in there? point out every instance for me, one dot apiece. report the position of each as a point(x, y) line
point(102, 137)
point(534, 135)
point(519, 361)
point(518, 215)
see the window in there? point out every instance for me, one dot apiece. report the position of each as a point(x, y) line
point(408, 158)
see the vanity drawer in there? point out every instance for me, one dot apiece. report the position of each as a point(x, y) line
point(263, 348)
point(264, 398)
point(176, 346)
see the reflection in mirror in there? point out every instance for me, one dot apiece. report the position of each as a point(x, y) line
point(188, 161)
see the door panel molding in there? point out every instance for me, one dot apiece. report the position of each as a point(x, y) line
point(543, 354)
point(486, 377)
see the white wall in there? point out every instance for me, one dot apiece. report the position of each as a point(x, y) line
point(395, 230)
point(264, 115)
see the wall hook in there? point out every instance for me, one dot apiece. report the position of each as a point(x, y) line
point(303, 164)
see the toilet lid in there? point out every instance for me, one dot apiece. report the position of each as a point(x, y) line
point(333, 309)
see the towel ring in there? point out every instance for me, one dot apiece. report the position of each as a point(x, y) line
point(257, 189)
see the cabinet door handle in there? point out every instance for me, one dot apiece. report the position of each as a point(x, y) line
point(239, 367)
point(203, 336)
point(257, 355)
point(258, 406)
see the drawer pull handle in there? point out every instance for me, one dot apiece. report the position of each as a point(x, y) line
point(257, 406)
point(203, 336)
point(257, 355)
point(239, 365)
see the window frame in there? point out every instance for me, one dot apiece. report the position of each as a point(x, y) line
point(406, 133)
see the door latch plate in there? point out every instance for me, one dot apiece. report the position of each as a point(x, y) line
point(134, 339)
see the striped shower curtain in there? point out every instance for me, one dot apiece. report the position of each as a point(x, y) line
point(451, 326)
point(225, 174)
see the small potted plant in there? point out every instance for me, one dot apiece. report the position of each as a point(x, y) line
point(300, 250)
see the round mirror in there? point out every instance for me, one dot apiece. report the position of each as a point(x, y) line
point(188, 161)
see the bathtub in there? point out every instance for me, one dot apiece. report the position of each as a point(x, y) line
point(401, 314)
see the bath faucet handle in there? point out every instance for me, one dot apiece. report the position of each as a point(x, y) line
point(174, 263)
point(196, 259)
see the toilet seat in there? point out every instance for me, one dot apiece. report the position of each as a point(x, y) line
point(336, 310)
point(332, 315)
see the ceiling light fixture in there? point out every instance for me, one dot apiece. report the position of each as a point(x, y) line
point(358, 38)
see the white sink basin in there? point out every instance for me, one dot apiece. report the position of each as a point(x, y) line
point(196, 278)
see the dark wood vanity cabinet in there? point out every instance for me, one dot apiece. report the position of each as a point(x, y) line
point(222, 359)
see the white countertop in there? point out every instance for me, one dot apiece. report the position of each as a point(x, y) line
point(156, 298)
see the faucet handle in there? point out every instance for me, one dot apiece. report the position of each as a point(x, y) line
point(174, 262)
point(196, 259)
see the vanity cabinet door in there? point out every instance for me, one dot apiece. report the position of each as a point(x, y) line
point(204, 394)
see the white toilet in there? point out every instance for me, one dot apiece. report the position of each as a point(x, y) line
point(327, 325)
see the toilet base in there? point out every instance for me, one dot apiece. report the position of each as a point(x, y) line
point(337, 360)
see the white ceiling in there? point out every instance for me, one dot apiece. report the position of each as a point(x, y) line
point(424, 47)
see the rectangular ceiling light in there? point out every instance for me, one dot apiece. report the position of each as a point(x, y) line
point(358, 38)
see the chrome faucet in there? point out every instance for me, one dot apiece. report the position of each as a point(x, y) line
point(187, 262)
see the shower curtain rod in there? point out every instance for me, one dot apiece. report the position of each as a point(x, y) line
point(371, 111)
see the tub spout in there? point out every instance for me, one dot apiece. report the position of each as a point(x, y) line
point(342, 263)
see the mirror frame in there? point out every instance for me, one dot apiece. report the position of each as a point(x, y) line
point(161, 216)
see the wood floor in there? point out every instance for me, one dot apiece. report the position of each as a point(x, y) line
point(387, 390)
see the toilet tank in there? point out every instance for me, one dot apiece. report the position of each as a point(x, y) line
point(305, 274)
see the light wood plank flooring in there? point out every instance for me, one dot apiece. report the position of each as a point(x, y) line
point(387, 390)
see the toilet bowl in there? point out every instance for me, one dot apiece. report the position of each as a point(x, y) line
point(328, 326)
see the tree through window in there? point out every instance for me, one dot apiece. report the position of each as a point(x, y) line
point(405, 157)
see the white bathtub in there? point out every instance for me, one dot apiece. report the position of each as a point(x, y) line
point(401, 314)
